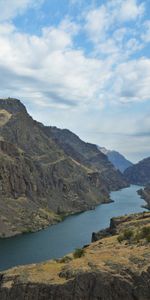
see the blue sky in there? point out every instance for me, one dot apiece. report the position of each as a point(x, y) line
point(82, 65)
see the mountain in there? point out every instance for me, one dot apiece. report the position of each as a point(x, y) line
point(39, 181)
point(139, 173)
point(86, 154)
point(116, 266)
point(117, 159)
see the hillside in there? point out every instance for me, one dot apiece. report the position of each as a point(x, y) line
point(39, 182)
point(117, 159)
point(86, 154)
point(139, 173)
point(116, 266)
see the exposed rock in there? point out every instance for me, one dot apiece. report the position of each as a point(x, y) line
point(145, 194)
point(88, 155)
point(39, 182)
point(117, 224)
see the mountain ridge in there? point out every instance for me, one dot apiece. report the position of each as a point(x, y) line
point(39, 181)
point(116, 158)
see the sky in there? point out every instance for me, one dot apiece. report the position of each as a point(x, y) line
point(82, 65)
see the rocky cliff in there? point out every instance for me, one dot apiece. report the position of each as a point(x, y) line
point(39, 181)
point(113, 268)
point(87, 154)
point(139, 173)
point(145, 194)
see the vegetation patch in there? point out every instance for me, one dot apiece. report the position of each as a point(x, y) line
point(79, 252)
point(135, 236)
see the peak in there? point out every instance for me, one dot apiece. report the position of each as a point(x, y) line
point(12, 105)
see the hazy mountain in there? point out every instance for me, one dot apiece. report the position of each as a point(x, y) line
point(117, 159)
point(139, 173)
point(39, 181)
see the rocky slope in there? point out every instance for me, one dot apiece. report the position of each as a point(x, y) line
point(87, 154)
point(139, 173)
point(39, 182)
point(117, 159)
point(108, 269)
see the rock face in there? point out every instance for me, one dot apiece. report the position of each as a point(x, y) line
point(87, 154)
point(107, 270)
point(117, 159)
point(39, 181)
point(145, 194)
point(139, 173)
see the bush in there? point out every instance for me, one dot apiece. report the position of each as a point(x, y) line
point(120, 238)
point(78, 253)
point(128, 234)
point(148, 238)
point(145, 232)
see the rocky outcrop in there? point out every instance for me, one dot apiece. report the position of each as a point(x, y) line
point(118, 224)
point(139, 173)
point(145, 194)
point(40, 182)
point(108, 269)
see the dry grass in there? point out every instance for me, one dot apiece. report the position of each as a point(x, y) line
point(105, 255)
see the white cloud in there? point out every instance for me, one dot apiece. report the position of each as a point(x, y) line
point(97, 22)
point(130, 10)
point(131, 82)
point(55, 75)
point(102, 20)
point(11, 8)
point(49, 68)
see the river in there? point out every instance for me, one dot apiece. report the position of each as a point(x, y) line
point(75, 231)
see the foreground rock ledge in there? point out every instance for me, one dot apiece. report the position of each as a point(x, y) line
point(108, 270)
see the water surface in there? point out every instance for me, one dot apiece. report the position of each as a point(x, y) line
point(75, 231)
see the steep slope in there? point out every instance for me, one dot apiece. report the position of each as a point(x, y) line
point(39, 182)
point(88, 155)
point(139, 173)
point(108, 269)
point(117, 159)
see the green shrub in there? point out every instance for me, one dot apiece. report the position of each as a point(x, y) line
point(145, 232)
point(128, 234)
point(78, 253)
point(120, 238)
point(148, 238)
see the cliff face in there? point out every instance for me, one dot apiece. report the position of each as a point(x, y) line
point(109, 269)
point(88, 155)
point(145, 194)
point(139, 173)
point(39, 182)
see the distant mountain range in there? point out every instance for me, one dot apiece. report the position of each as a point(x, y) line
point(117, 159)
point(139, 173)
point(47, 173)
